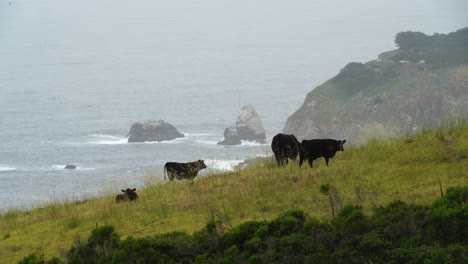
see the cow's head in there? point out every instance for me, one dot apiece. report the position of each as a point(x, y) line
point(201, 164)
point(340, 144)
point(131, 193)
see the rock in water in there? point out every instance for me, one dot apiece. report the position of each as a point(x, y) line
point(248, 127)
point(230, 137)
point(151, 130)
point(70, 167)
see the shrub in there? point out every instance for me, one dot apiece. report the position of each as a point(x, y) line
point(397, 233)
point(440, 50)
point(411, 40)
point(448, 220)
point(354, 77)
point(99, 248)
point(39, 259)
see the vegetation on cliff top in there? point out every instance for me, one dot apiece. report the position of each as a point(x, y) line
point(440, 50)
point(371, 175)
point(436, 51)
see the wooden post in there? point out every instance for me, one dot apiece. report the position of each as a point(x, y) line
point(441, 191)
point(333, 209)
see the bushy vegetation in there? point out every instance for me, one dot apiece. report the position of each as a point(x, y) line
point(397, 233)
point(355, 77)
point(440, 50)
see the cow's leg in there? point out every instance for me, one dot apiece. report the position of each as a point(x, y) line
point(326, 161)
point(278, 159)
point(281, 159)
point(303, 156)
point(311, 161)
point(170, 175)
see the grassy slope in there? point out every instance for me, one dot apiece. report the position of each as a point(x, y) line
point(407, 168)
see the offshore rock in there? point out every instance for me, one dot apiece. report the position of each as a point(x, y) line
point(248, 127)
point(231, 137)
point(151, 130)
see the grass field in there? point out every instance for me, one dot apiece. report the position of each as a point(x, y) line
point(408, 168)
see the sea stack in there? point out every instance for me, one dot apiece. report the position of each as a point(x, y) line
point(152, 130)
point(248, 127)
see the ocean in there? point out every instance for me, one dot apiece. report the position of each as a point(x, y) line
point(74, 76)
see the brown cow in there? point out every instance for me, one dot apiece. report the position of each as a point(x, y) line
point(128, 194)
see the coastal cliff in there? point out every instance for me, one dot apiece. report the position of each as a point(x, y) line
point(401, 92)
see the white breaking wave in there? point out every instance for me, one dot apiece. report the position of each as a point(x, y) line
point(173, 141)
point(205, 138)
point(7, 168)
point(208, 139)
point(251, 143)
point(103, 139)
point(55, 167)
point(197, 138)
point(78, 168)
point(222, 165)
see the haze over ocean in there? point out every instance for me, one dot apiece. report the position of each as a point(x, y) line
point(74, 76)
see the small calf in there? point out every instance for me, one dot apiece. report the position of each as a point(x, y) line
point(128, 194)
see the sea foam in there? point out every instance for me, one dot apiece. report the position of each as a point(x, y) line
point(222, 165)
point(78, 168)
point(7, 168)
point(103, 139)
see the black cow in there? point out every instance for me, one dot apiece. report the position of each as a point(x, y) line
point(182, 171)
point(285, 147)
point(129, 194)
point(316, 148)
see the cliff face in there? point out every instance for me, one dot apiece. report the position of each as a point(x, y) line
point(417, 96)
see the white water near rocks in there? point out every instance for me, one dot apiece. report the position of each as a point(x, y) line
point(74, 76)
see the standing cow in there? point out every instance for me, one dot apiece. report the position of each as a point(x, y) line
point(182, 171)
point(316, 148)
point(128, 194)
point(285, 147)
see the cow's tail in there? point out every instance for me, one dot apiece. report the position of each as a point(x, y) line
point(165, 169)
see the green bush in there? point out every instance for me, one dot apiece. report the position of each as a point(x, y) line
point(440, 50)
point(101, 244)
point(355, 77)
point(412, 40)
point(39, 259)
point(397, 233)
point(448, 222)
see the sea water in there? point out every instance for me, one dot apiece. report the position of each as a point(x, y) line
point(74, 76)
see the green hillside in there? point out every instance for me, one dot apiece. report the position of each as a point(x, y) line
point(408, 168)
